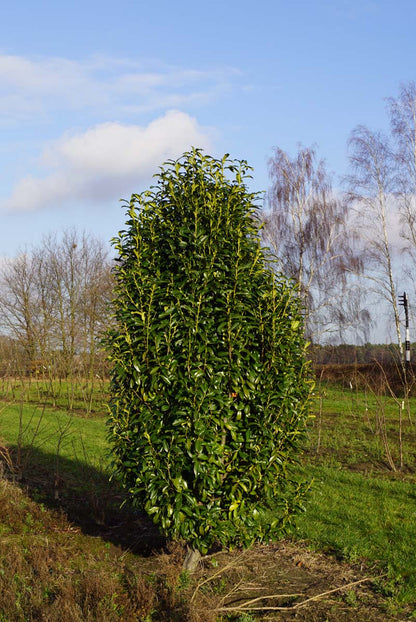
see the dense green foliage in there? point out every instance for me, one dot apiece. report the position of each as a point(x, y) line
point(209, 386)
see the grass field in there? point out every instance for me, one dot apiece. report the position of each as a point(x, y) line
point(80, 395)
point(362, 507)
point(360, 453)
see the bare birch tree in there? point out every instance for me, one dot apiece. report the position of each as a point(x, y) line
point(403, 126)
point(372, 184)
point(306, 226)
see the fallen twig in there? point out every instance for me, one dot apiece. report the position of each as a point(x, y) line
point(216, 574)
point(232, 591)
point(245, 606)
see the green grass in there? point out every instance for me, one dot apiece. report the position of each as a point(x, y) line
point(367, 520)
point(78, 394)
point(55, 432)
point(355, 429)
point(359, 507)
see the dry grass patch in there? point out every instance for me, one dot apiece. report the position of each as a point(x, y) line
point(50, 571)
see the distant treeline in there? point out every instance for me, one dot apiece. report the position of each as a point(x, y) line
point(347, 354)
point(55, 305)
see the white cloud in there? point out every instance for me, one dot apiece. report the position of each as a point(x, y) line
point(106, 161)
point(113, 85)
point(42, 76)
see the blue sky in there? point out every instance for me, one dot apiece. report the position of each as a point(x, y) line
point(94, 96)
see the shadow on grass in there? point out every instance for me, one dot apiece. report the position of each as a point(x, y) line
point(89, 499)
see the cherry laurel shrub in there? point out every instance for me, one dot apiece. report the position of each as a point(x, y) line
point(209, 387)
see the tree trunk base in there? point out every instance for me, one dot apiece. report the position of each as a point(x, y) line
point(191, 561)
